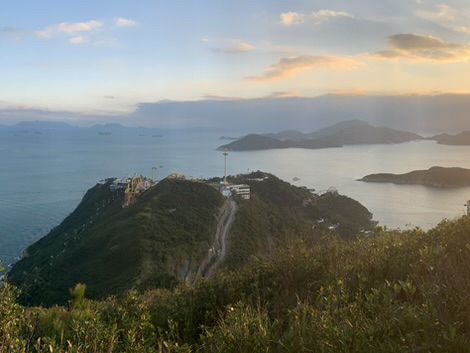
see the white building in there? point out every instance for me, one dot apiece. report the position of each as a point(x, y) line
point(242, 190)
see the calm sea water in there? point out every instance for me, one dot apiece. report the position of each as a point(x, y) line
point(43, 177)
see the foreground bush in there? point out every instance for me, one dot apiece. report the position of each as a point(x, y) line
point(392, 292)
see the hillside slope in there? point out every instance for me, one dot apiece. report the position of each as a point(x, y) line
point(279, 213)
point(157, 242)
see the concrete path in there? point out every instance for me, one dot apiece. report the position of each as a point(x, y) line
point(218, 250)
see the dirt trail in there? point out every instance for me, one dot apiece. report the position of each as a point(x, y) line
point(218, 250)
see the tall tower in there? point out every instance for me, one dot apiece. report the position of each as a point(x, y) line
point(468, 207)
point(225, 166)
point(154, 174)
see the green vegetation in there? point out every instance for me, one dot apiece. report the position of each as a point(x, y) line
point(394, 291)
point(161, 240)
point(279, 213)
point(158, 242)
point(434, 176)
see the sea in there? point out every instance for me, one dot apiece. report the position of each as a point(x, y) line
point(43, 175)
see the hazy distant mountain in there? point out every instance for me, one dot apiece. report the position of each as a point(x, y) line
point(351, 132)
point(253, 142)
point(289, 135)
point(459, 139)
point(43, 125)
point(435, 177)
point(54, 127)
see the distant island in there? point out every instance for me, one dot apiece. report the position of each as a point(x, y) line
point(39, 127)
point(229, 138)
point(352, 132)
point(461, 139)
point(439, 177)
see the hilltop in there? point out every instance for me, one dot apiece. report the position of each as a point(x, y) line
point(462, 139)
point(434, 177)
point(163, 238)
point(351, 132)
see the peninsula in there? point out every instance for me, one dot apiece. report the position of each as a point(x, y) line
point(353, 132)
point(439, 177)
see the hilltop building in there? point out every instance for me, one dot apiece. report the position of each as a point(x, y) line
point(242, 190)
point(177, 176)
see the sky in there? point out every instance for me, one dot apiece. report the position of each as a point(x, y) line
point(108, 56)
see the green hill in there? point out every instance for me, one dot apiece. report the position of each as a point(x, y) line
point(435, 176)
point(157, 242)
point(352, 132)
point(162, 239)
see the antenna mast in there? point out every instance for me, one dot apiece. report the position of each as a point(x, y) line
point(154, 174)
point(225, 166)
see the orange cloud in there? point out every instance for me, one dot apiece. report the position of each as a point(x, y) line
point(292, 66)
point(234, 46)
point(317, 17)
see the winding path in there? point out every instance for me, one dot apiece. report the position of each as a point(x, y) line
point(218, 250)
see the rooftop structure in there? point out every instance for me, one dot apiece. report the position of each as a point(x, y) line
point(119, 184)
point(242, 190)
point(177, 176)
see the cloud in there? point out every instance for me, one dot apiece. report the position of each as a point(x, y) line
point(411, 41)
point(462, 29)
point(317, 17)
point(292, 66)
point(442, 13)
point(291, 18)
point(420, 47)
point(350, 92)
point(69, 28)
point(212, 96)
point(235, 46)
point(78, 40)
point(283, 94)
point(124, 22)
point(447, 17)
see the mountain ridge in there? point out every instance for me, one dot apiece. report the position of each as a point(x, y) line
point(348, 132)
